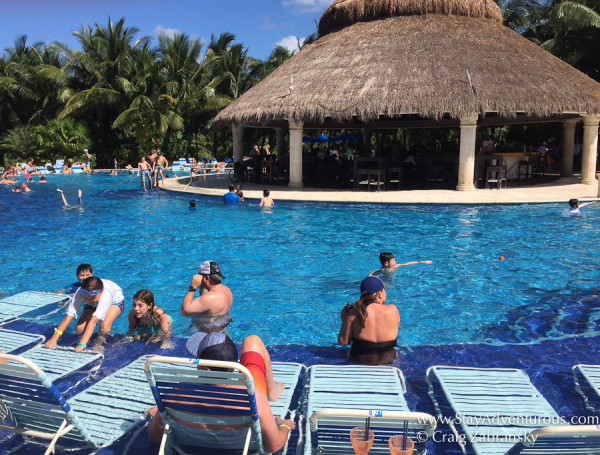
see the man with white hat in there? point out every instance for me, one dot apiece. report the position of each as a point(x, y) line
point(215, 298)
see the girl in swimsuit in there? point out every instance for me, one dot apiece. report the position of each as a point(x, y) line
point(149, 321)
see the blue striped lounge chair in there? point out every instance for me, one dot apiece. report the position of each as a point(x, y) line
point(501, 412)
point(12, 341)
point(340, 397)
point(26, 302)
point(209, 402)
point(95, 417)
point(588, 377)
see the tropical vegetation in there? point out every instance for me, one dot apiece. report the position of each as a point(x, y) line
point(119, 93)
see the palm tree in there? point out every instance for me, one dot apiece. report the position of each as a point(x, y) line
point(576, 28)
point(102, 71)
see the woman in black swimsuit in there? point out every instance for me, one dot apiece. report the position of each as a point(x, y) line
point(370, 325)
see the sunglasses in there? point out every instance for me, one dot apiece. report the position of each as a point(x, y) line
point(92, 293)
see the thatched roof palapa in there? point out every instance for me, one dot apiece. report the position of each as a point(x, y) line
point(379, 59)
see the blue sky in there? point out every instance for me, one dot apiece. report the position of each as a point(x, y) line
point(258, 24)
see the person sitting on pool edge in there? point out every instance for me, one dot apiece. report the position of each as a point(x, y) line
point(575, 206)
point(255, 357)
point(370, 325)
point(104, 303)
point(388, 264)
point(210, 311)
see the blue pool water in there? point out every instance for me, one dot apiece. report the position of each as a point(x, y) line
point(293, 268)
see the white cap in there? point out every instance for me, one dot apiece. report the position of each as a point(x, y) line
point(85, 150)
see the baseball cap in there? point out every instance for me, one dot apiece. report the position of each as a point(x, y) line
point(370, 285)
point(212, 269)
point(85, 150)
point(212, 346)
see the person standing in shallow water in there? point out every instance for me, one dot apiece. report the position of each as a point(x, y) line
point(370, 325)
point(210, 311)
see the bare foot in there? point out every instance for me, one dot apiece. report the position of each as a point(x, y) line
point(59, 190)
point(278, 388)
point(80, 193)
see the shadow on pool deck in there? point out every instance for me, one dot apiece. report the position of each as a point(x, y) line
point(558, 190)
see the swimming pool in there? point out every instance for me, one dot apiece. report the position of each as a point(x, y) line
point(293, 268)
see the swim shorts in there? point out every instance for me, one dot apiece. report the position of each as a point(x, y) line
point(89, 307)
point(145, 173)
point(256, 364)
point(120, 304)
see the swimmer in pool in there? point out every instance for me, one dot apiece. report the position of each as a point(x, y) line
point(370, 325)
point(388, 264)
point(575, 205)
point(64, 199)
point(147, 320)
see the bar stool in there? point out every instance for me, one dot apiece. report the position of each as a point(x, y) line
point(497, 175)
point(526, 169)
point(395, 176)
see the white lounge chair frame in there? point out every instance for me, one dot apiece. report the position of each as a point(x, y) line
point(185, 371)
point(96, 417)
point(13, 306)
point(591, 375)
point(340, 397)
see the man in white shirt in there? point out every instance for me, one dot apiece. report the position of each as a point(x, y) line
point(102, 301)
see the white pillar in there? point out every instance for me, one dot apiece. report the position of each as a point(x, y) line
point(296, 155)
point(568, 147)
point(238, 143)
point(466, 160)
point(280, 142)
point(590, 149)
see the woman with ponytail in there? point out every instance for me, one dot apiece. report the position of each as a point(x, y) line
point(370, 325)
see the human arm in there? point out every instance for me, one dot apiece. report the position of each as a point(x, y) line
point(87, 333)
point(345, 335)
point(413, 263)
point(262, 202)
point(585, 204)
point(189, 305)
point(52, 342)
point(275, 431)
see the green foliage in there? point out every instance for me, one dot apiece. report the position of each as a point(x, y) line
point(19, 144)
point(62, 139)
point(175, 145)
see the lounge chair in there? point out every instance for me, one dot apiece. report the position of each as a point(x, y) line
point(96, 417)
point(591, 375)
point(171, 377)
point(501, 412)
point(341, 397)
point(19, 304)
point(11, 341)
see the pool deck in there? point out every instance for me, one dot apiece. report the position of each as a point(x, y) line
point(559, 190)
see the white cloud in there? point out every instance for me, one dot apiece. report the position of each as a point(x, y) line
point(170, 32)
point(267, 24)
point(291, 43)
point(306, 6)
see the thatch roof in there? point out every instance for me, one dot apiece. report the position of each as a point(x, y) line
point(343, 13)
point(415, 64)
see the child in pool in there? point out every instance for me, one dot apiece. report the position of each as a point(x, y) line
point(83, 271)
point(149, 320)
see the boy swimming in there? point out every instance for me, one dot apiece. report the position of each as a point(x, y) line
point(575, 206)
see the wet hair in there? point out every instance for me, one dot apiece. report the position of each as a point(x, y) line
point(385, 257)
point(146, 296)
point(92, 283)
point(84, 268)
point(193, 203)
point(360, 306)
point(266, 192)
point(231, 187)
point(42, 178)
point(573, 203)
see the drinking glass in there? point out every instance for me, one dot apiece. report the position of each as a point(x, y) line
point(396, 444)
point(360, 446)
